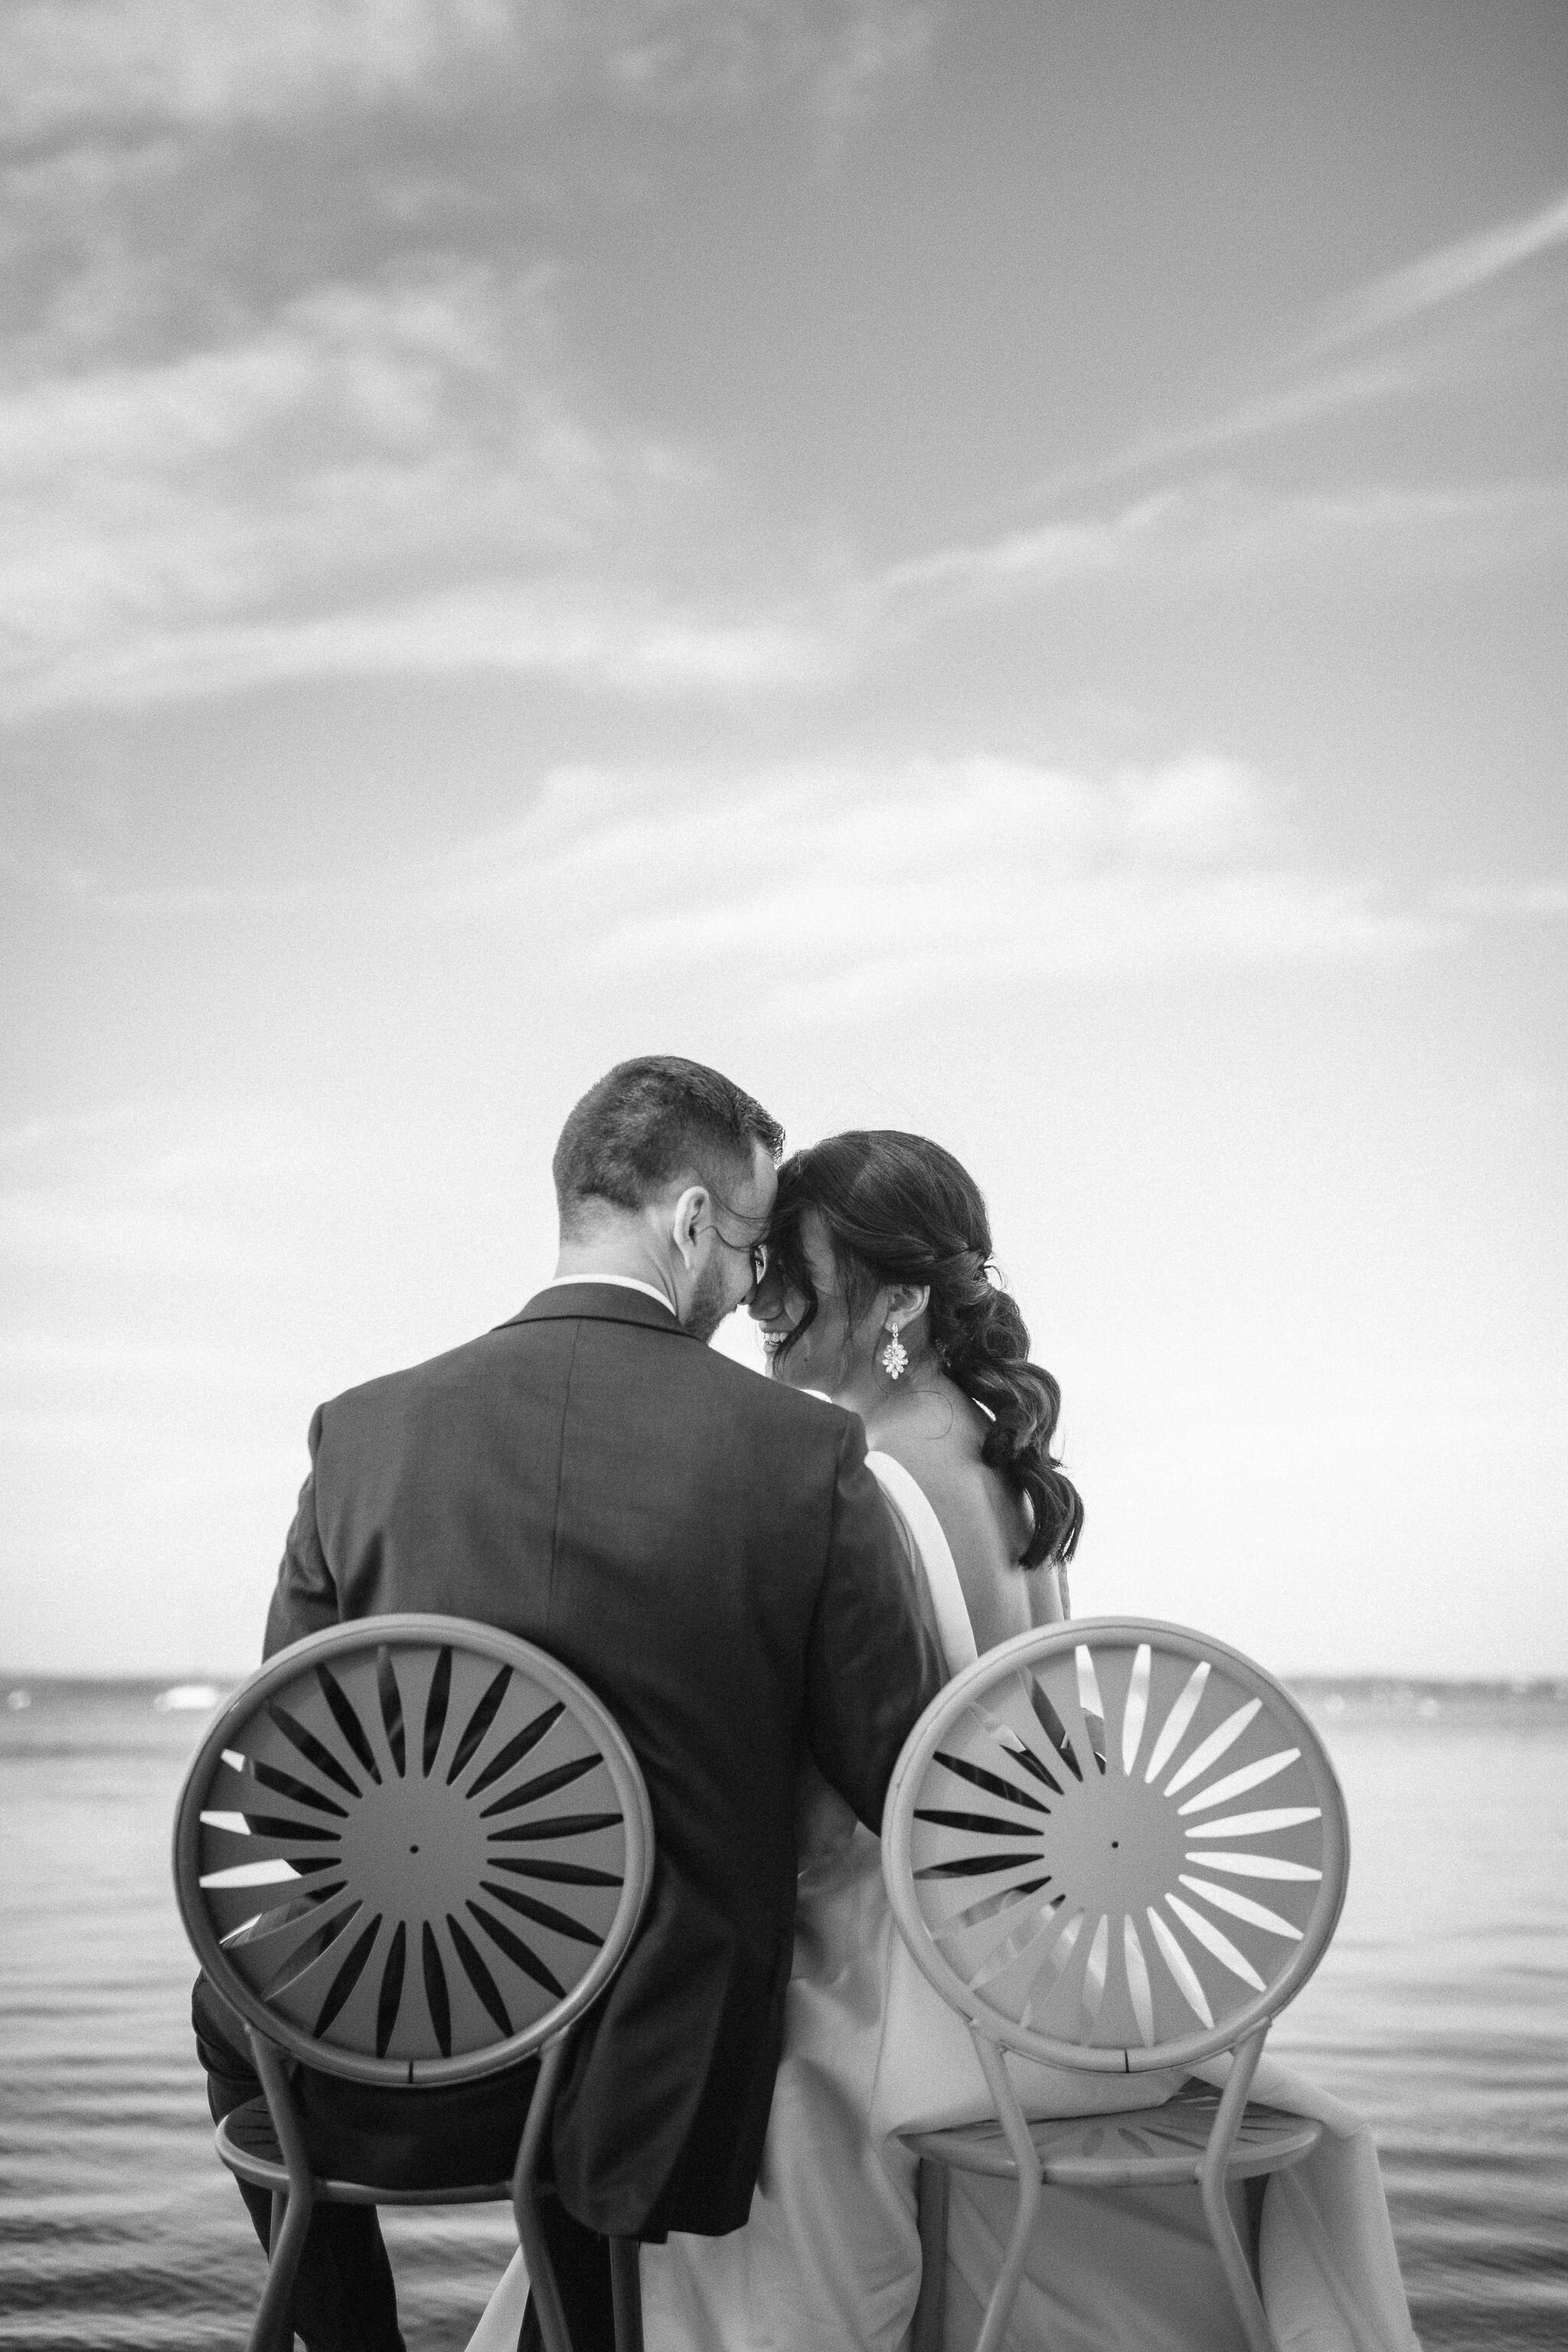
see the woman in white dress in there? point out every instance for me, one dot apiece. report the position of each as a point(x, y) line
point(882, 1295)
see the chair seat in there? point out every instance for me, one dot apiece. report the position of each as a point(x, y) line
point(247, 2144)
point(1143, 2147)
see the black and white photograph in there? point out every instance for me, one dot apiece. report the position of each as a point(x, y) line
point(783, 1175)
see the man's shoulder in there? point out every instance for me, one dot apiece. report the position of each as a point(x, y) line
point(472, 1360)
point(772, 1402)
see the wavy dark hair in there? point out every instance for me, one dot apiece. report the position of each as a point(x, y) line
point(898, 1208)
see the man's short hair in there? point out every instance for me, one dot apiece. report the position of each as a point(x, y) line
point(651, 1121)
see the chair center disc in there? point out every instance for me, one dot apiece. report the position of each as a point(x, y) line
point(413, 1848)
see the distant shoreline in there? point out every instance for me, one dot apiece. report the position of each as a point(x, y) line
point(1387, 1686)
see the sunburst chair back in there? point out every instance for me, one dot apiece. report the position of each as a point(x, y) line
point(1116, 1847)
point(410, 1851)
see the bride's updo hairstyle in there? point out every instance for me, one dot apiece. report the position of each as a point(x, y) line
point(898, 1208)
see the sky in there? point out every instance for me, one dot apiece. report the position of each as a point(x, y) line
point(993, 569)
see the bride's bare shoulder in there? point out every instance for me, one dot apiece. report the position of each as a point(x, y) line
point(937, 1436)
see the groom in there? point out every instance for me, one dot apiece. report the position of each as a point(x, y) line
point(710, 1552)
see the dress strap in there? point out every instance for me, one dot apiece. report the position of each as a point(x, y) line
point(931, 1549)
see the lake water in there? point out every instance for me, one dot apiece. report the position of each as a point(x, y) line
point(1441, 2012)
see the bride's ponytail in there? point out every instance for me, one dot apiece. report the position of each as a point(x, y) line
point(984, 1342)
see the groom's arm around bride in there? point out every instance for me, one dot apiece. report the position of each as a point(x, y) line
point(707, 1549)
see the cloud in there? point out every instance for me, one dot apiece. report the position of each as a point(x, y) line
point(394, 481)
point(1256, 415)
point(80, 63)
point(221, 469)
point(77, 67)
point(884, 884)
point(374, 469)
point(1220, 522)
point(591, 634)
point(1296, 390)
point(283, 389)
point(1445, 275)
point(171, 176)
point(861, 891)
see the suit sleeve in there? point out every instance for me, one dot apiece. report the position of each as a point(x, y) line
point(872, 1666)
point(305, 1598)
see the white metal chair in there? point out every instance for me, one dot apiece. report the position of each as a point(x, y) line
point(1116, 1847)
point(410, 1851)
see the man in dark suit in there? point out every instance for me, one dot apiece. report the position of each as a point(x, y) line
point(710, 1553)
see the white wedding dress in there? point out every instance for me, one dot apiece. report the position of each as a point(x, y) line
point(830, 2261)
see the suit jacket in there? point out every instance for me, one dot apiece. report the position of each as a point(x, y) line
point(710, 1553)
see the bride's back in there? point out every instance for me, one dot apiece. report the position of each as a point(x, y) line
point(937, 1434)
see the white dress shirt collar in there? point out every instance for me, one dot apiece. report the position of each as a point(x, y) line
point(620, 1281)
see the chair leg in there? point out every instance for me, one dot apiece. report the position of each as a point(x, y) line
point(525, 2204)
point(930, 2309)
point(1232, 2254)
point(626, 2290)
point(1010, 2114)
point(272, 2329)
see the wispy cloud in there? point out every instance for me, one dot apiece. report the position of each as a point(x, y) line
point(76, 64)
point(358, 438)
point(374, 470)
point(886, 882)
point(1207, 519)
point(1445, 276)
point(600, 634)
point(861, 891)
point(367, 493)
point(1219, 522)
point(93, 63)
point(1288, 403)
point(1321, 378)
point(214, 476)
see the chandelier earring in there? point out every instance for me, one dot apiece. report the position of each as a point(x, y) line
point(895, 1357)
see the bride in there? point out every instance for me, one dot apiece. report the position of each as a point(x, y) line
point(882, 1293)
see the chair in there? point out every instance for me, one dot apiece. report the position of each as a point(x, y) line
point(1120, 1847)
point(410, 1851)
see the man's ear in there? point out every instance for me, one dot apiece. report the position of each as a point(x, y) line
point(689, 1215)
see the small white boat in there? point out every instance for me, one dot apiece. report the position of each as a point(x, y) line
point(188, 1698)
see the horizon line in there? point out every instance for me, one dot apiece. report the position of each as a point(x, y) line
point(226, 1680)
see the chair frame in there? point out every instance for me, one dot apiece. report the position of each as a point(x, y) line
point(275, 2038)
point(1279, 2142)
